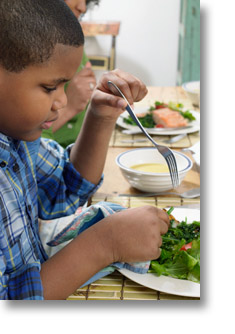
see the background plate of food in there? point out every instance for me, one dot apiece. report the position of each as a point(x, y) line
point(162, 119)
point(180, 257)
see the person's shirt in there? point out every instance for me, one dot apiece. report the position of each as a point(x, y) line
point(37, 180)
point(68, 133)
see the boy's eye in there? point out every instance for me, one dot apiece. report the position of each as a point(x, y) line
point(49, 89)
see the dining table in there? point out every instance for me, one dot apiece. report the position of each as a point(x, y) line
point(117, 286)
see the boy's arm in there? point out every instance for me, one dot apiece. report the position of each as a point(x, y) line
point(89, 152)
point(119, 237)
point(72, 266)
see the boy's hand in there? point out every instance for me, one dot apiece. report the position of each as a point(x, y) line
point(135, 234)
point(108, 104)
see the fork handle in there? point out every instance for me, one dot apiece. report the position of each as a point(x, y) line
point(132, 114)
point(135, 119)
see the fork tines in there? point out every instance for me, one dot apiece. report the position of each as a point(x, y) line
point(172, 165)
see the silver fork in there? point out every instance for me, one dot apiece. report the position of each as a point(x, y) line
point(165, 151)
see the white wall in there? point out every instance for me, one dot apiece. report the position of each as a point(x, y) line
point(147, 45)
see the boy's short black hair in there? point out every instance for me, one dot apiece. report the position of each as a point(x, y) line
point(30, 30)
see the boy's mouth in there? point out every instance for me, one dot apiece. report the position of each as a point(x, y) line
point(48, 124)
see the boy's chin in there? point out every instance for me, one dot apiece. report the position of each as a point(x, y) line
point(28, 137)
point(32, 137)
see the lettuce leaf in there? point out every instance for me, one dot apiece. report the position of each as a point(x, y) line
point(177, 263)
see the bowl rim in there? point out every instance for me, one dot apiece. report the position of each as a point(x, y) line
point(184, 86)
point(189, 166)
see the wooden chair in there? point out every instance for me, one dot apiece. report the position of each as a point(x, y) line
point(93, 28)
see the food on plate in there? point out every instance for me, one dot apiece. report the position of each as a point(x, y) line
point(168, 118)
point(151, 168)
point(146, 119)
point(163, 115)
point(180, 251)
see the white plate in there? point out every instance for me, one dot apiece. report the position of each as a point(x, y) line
point(194, 125)
point(165, 283)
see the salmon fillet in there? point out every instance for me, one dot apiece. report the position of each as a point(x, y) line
point(168, 118)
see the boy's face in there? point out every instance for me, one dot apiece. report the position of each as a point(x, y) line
point(78, 7)
point(30, 100)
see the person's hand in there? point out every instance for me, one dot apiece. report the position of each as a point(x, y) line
point(80, 89)
point(106, 102)
point(135, 234)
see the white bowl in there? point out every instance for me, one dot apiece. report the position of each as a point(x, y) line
point(150, 182)
point(192, 89)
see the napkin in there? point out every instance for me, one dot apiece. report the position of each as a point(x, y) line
point(195, 149)
point(85, 218)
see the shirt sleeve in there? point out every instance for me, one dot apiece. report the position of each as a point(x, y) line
point(22, 284)
point(61, 189)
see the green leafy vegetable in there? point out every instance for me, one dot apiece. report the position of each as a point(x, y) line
point(176, 260)
point(187, 114)
point(170, 210)
point(147, 121)
point(178, 107)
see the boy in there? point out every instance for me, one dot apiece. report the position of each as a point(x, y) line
point(41, 46)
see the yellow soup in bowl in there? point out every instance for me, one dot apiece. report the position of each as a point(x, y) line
point(151, 168)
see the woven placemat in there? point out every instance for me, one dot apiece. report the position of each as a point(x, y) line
point(118, 287)
point(120, 139)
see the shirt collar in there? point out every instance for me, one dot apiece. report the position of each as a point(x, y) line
point(7, 144)
point(4, 148)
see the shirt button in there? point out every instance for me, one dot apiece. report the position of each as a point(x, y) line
point(16, 168)
point(2, 164)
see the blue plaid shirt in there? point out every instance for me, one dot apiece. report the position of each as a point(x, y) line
point(37, 180)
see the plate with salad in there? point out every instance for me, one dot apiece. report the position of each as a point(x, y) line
point(177, 270)
point(162, 119)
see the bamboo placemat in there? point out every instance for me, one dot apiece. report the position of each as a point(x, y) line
point(119, 139)
point(116, 286)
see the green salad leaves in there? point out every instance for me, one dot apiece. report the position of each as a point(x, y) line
point(147, 121)
point(180, 252)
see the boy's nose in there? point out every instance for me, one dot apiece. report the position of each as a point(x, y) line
point(60, 101)
point(81, 6)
